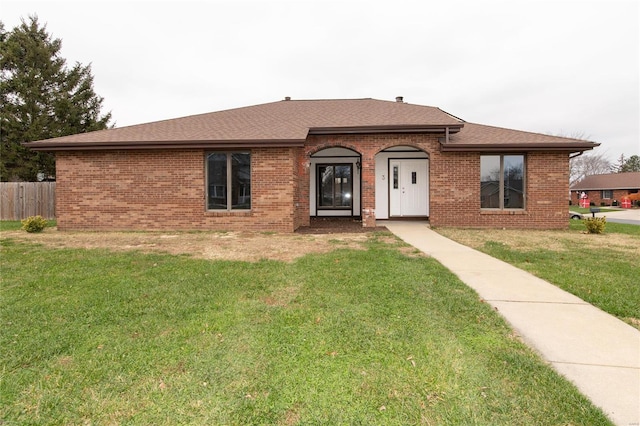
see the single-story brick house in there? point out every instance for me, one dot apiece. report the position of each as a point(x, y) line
point(275, 166)
point(606, 188)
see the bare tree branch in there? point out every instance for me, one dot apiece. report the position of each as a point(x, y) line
point(587, 165)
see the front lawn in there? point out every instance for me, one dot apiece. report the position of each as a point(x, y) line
point(601, 269)
point(373, 336)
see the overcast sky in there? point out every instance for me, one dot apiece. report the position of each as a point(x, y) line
point(566, 67)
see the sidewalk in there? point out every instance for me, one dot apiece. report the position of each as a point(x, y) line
point(631, 216)
point(597, 352)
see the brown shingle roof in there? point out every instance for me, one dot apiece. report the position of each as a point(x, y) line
point(289, 122)
point(478, 137)
point(284, 122)
point(630, 180)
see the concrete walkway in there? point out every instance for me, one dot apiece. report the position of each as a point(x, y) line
point(597, 352)
point(630, 216)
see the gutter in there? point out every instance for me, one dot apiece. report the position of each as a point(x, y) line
point(128, 145)
point(606, 188)
point(497, 147)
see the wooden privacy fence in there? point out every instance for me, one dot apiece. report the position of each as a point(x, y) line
point(19, 200)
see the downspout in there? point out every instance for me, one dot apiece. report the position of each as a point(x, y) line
point(446, 135)
point(571, 157)
point(359, 167)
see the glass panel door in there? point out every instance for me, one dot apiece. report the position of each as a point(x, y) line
point(343, 185)
point(335, 186)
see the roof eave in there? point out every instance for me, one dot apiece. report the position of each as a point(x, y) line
point(604, 188)
point(517, 147)
point(128, 145)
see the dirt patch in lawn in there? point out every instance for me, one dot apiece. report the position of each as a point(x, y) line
point(242, 246)
point(552, 240)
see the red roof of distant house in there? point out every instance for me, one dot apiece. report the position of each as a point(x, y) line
point(289, 122)
point(630, 180)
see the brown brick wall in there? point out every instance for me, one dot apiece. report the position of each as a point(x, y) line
point(121, 190)
point(302, 176)
point(455, 183)
point(547, 186)
point(166, 189)
point(595, 196)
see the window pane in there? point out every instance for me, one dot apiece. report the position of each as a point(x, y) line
point(325, 196)
point(343, 186)
point(513, 181)
point(490, 181)
point(217, 181)
point(395, 177)
point(241, 181)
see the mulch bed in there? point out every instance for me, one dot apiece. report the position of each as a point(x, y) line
point(336, 225)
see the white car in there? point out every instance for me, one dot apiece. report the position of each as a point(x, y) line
point(575, 215)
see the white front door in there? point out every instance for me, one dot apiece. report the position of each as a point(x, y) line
point(409, 188)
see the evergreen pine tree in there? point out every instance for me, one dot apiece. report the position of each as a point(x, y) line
point(40, 98)
point(632, 164)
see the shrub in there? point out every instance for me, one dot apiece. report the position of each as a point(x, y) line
point(34, 224)
point(595, 225)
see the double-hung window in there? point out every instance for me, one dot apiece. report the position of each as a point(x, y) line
point(502, 183)
point(606, 194)
point(228, 181)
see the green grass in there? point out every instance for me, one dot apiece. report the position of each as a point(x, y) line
point(583, 210)
point(607, 280)
point(610, 228)
point(350, 337)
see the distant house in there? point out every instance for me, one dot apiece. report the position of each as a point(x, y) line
point(606, 188)
point(277, 165)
